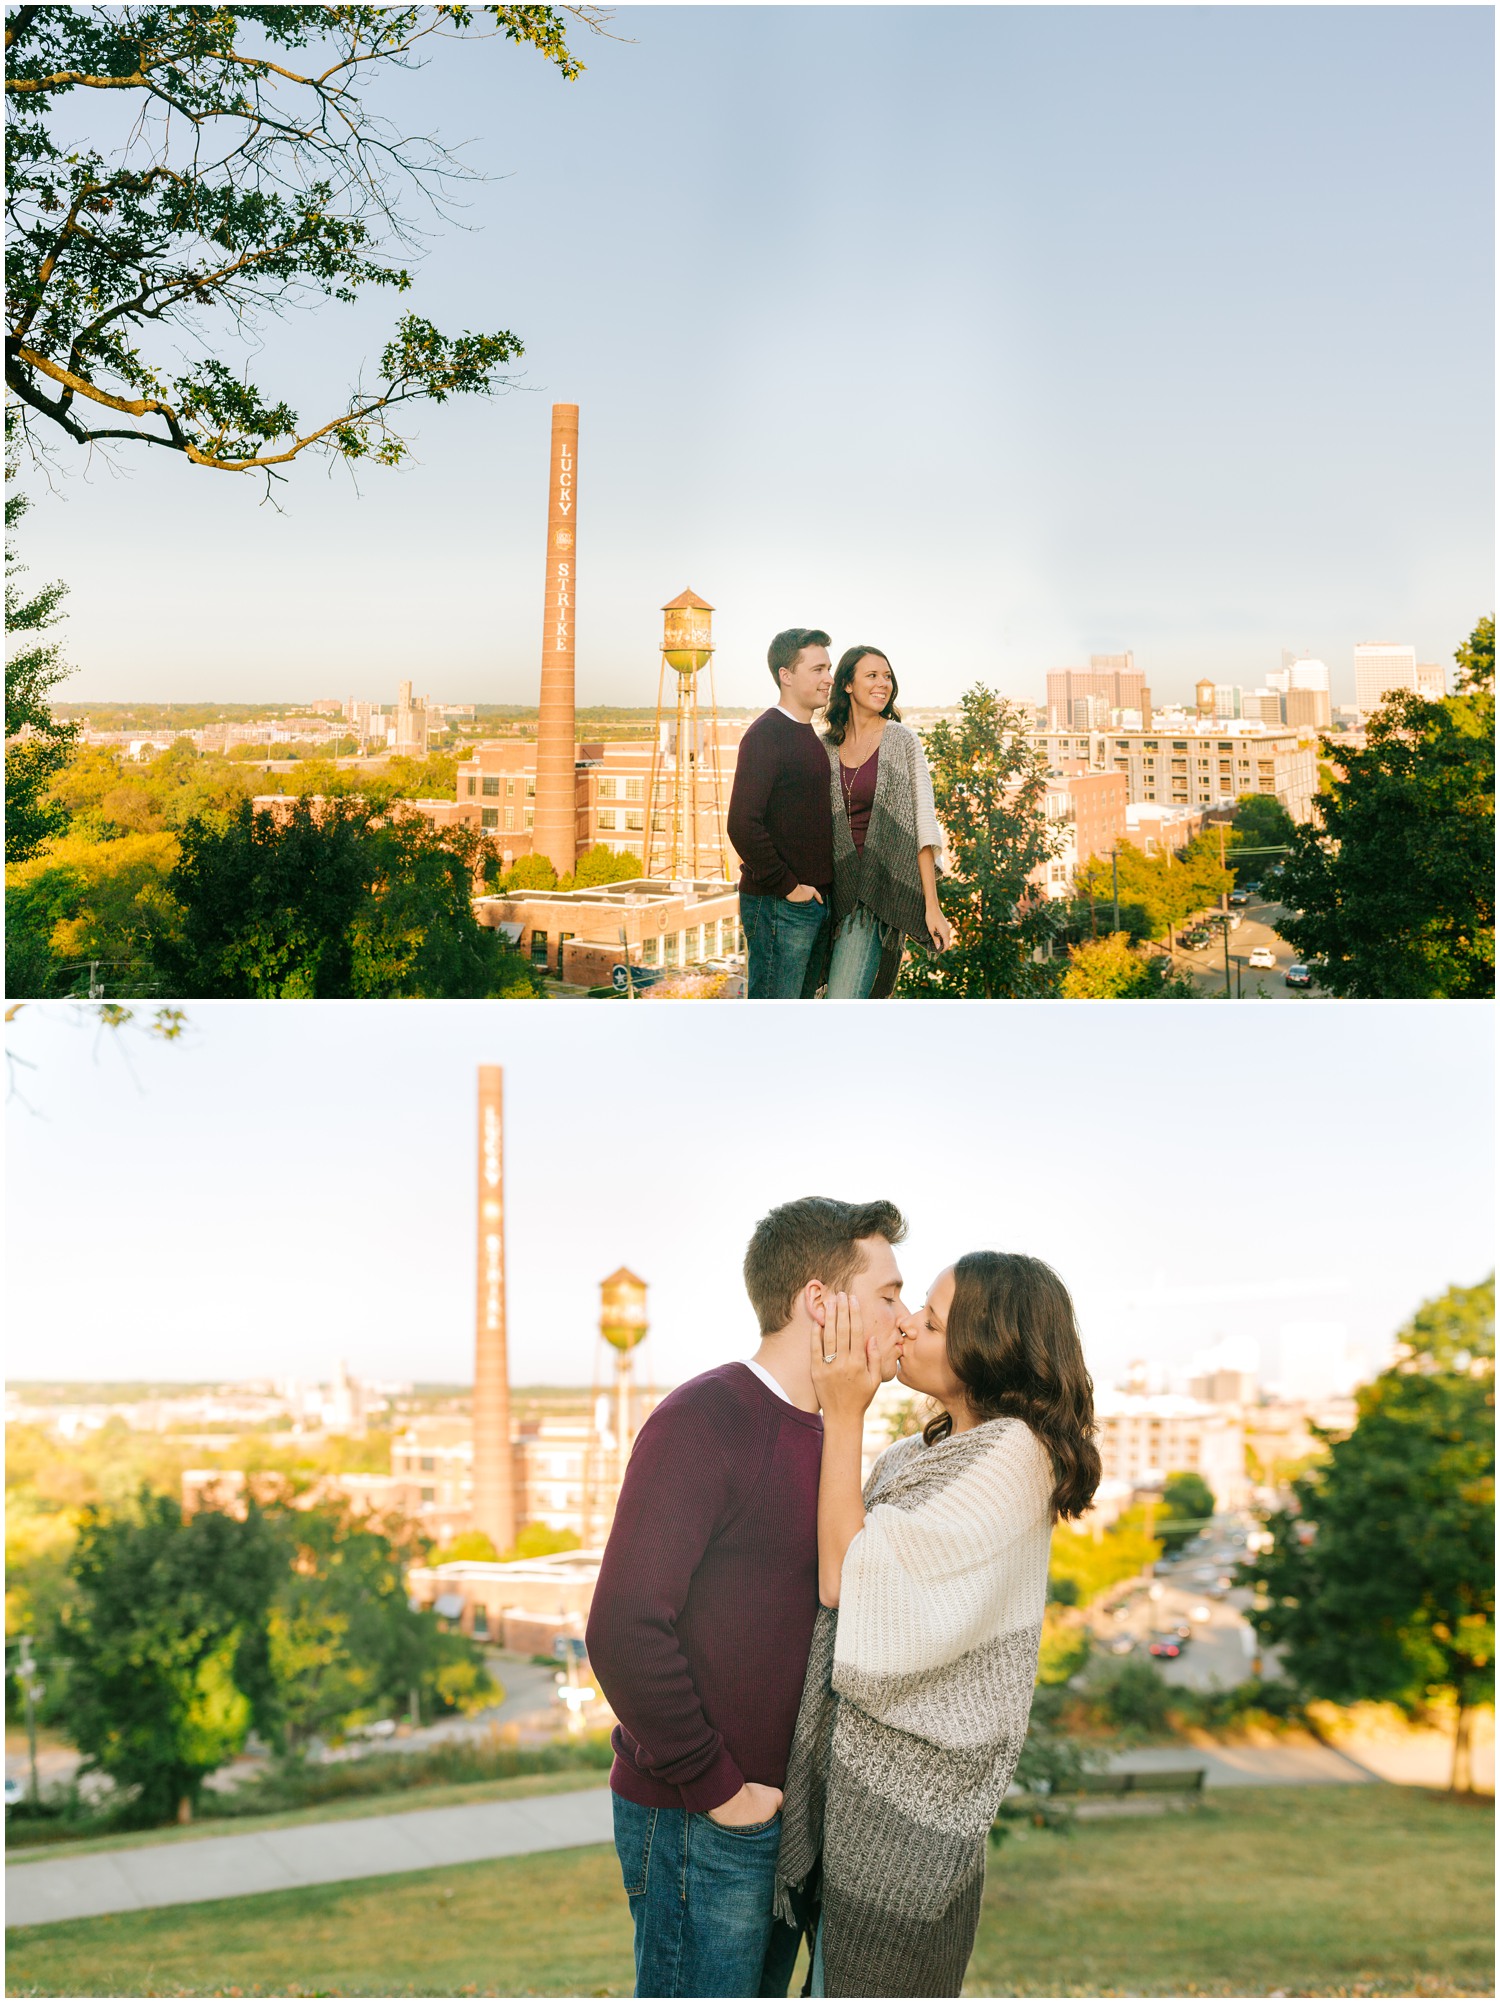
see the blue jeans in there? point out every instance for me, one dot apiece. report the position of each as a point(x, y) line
point(700, 1896)
point(856, 956)
point(783, 946)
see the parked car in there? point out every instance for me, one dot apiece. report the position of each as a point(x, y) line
point(1233, 920)
point(1262, 956)
point(1121, 1644)
point(1297, 976)
point(1166, 1646)
point(14, 1791)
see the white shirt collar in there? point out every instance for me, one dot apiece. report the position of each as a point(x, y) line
point(767, 1379)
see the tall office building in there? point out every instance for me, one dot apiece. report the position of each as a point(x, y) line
point(1111, 682)
point(1306, 697)
point(1379, 667)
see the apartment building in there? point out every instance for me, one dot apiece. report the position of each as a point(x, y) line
point(1198, 765)
point(1143, 1439)
point(1088, 809)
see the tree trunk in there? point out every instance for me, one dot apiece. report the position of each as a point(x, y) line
point(185, 1809)
point(1461, 1781)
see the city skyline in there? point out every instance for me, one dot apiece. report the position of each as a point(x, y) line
point(991, 401)
point(193, 1167)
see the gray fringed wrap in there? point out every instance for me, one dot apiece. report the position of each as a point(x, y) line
point(903, 821)
point(915, 1707)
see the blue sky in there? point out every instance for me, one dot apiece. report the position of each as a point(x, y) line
point(994, 336)
point(293, 1183)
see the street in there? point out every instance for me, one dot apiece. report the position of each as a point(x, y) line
point(1258, 921)
point(1221, 1649)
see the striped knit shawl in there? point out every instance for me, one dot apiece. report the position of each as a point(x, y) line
point(903, 821)
point(915, 1707)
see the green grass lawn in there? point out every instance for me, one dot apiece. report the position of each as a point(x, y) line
point(1374, 1891)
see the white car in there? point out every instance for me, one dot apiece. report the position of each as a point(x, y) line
point(1262, 956)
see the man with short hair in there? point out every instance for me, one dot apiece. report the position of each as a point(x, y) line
point(781, 824)
point(703, 1615)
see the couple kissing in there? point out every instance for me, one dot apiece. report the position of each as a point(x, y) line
point(837, 834)
point(823, 1685)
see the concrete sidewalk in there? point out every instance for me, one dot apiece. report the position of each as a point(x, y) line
point(323, 1853)
point(316, 1853)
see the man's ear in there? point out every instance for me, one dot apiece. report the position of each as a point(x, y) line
point(813, 1300)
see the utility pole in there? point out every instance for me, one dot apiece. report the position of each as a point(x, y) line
point(1114, 871)
point(1228, 978)
point(32, 1690)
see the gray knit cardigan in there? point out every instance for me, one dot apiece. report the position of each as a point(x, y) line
point(903, 821)
point(915, 1707)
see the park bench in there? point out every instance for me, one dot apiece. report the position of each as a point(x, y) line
point(1165, 1780)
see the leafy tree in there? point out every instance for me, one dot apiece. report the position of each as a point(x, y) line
point(471, 1545)
point(599, 865)
point(1380, 1583)
point(1186, 1501)
point(540, 1540)
point(1091, 1564)
point(164, 1636)
point(1260, 822)
point(434, 777)
point(335, 900)
point(1392, 885)
point(1110, 969)
point(345, 1645)
point(37, 746)
point(241, 184)
point(81, 904)
point(1157, 892)
point(529, 872)
point(107, 795)
point(1476, 660)
point(989, 784)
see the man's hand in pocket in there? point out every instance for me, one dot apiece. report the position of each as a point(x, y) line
point(752, 1804)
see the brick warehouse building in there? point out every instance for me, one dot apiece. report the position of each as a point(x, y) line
point(496, 792)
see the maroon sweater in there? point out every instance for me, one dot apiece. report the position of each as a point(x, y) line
point(703, 1614)
point(780, 813)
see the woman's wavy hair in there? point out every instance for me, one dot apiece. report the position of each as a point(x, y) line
point(836, 713)
point(1013, 1345)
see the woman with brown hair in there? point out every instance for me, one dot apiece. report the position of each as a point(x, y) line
point(887, 843)
point(932, 1584)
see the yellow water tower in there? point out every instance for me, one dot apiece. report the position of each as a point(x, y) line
point(620, 1407)
point(685, 834)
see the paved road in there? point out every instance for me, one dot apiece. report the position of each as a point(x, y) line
point(1258, 921)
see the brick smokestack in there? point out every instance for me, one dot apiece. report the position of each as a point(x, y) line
point(555, 830)
point(494, 1480)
